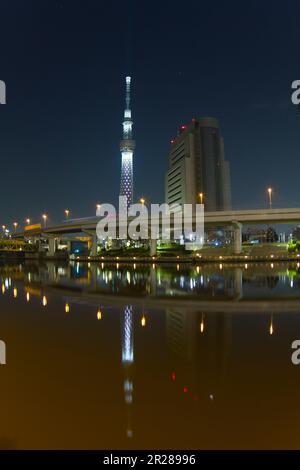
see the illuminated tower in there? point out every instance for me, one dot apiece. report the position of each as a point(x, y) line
point(127, 145)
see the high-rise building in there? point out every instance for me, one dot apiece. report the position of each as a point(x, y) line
point(127, 146)
point(197, 167)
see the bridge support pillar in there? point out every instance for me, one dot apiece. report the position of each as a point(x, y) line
point(238, 283)
point(52, 246)
point(94, 246)
point(69, 247)
point(237, 243)
point(153, 247)
point(37, 242)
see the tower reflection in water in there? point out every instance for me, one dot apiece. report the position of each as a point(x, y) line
point(127, 362)
point(194, 374)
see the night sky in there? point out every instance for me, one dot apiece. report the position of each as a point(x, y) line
point(65, 62)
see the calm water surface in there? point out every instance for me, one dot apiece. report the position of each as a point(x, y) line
point(115, 356)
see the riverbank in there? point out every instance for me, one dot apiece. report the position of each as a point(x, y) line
point(287, 257)
point(260, 253)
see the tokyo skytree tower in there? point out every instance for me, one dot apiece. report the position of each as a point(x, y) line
point(127, 146)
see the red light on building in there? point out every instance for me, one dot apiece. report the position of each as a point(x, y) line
point(185, 390)
point(183, 127)
point(173, 376)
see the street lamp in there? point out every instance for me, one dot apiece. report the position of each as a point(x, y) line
point(15, 224)
point(67, 213)
point(28, 221)
point(98, 206)
point(45, 217)
point(201, 196)
point(142, 201)
point(270, 194)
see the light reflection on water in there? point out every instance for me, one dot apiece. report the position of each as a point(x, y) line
point(84, 373)
point(247, 281)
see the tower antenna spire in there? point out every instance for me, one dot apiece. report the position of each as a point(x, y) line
point(128, 81)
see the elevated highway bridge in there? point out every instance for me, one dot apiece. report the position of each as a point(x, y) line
point(235, 219)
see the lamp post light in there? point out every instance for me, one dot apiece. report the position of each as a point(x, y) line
point(28, 221)
point(67, 213)
point(98, 206)
point(142, 201)
point(201, 197)
point(45, 217)
point(270, 194)
point(15, 224)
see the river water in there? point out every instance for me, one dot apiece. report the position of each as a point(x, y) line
point(103, 356)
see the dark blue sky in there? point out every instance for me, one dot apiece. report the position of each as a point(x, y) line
point(64, 64)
